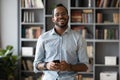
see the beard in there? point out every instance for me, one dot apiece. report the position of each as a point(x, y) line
point(62, 25)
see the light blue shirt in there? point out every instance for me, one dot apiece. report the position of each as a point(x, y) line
point(70, 46)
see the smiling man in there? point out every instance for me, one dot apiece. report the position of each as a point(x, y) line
point(60, 52)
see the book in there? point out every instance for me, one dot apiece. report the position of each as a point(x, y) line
point(100, 34)
point(33, 32)
point(78, 3)
point(87, 11)
point(76, 16)
point(81, 77)
point(89, 3)
point(113, 3)
point(98, 3)
point(117, 3)
point(101, 3)
point(27, 3)
point(87, 16)
point(29, 78)
point(31, 17)
point(96, 34)
point(90, 51)
point(24, 65)
point(32, 4)
point(22, 3)
point(29, 65)
point(116, 34)
point(105, 34)
point(105, 4)
point(39, 4)
point(28, 16)
point(116, 18)
point(99, 17)
point(25, 17)
point(36, 31)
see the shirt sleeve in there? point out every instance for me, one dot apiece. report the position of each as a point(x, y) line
point(39, 54)
point(82, 51)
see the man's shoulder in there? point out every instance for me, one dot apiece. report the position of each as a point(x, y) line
point(75, 32)
point(46, 34)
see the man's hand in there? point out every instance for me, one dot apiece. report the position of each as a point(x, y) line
point(53, 66)
point(62, 66)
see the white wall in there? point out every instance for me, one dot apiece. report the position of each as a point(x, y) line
point(0, 23)
point(9, 23)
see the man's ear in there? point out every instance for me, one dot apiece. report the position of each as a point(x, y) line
point(53, 19)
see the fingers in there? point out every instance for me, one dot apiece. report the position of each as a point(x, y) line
point(53, 66)
point(62, 66)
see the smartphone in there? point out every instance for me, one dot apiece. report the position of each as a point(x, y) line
point(56, 61)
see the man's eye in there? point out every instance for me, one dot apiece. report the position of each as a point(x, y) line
point(63, 14)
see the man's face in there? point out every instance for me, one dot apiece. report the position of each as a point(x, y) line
point(60, 17)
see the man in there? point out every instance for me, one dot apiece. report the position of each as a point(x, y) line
point(60, 52)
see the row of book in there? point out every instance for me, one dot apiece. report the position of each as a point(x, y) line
point(82, 16)
point(80, 77)
point(28, 17)
point(107, 34)
point(32, 4)
point(99, 33)
point(81, 3)
point(27, 65)
point(115, 18)
point(32, 32)
point(31, 78)
point(108, 3)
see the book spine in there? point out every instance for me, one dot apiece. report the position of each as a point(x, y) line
point(105, 4)
point(116, 18)
point(76, 3)
point(99, 17)
point(89, 3)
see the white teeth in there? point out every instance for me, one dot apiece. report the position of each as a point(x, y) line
point(62, 20)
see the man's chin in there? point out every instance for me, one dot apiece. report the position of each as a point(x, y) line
point(63, 26)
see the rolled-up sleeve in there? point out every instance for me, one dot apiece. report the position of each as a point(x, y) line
point(39, 54)
point(82, 51)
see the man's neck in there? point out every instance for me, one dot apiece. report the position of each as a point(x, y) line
point(59, 30)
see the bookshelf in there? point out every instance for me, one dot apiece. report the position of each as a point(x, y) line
point(97, 20)
point(31, 26)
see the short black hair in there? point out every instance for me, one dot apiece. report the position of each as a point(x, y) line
point(59, 5)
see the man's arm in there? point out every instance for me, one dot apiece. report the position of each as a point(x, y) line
point(69, 67)
point(79, 67)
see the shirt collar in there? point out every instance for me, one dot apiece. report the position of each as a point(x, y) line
point(53, 32)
